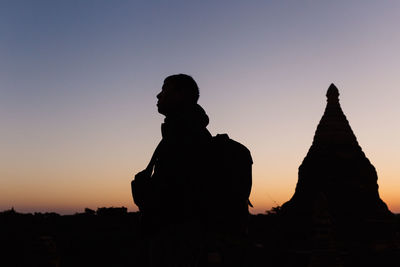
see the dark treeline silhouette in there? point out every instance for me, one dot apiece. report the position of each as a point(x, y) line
point(110, 237)
point(106, 237)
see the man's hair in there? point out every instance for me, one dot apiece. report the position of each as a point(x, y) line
point(186, 85)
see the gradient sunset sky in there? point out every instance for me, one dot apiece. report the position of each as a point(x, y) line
point(78, 81)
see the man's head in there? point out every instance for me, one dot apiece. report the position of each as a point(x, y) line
point(178, 91)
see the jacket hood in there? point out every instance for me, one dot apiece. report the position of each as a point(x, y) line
point(192, 118)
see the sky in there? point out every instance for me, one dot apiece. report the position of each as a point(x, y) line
point(79, 79)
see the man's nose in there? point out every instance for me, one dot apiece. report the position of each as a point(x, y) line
point(158, 95)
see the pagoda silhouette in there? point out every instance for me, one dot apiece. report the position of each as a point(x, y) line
point(336, 206)
point(336, 168)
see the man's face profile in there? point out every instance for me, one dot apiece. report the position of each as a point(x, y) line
point(169, 98)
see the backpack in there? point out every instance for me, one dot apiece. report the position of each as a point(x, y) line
point(227, 186)
point(230, 186)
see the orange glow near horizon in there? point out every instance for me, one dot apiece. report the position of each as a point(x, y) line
point(58, 199)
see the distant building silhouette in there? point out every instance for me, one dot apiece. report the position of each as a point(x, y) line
point(89, 211)
point(113, 211)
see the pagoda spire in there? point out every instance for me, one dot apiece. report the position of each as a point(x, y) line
point(333, 128)
point(332, 94)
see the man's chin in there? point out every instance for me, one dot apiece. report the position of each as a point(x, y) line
point(160, 110)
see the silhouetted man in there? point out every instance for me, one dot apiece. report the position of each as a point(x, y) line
point(177, 224)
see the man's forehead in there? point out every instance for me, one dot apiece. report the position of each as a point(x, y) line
point(168, 84)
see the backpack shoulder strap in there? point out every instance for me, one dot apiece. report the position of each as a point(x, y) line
point(150, 166)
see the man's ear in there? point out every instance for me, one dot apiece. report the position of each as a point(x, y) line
point(181, 96)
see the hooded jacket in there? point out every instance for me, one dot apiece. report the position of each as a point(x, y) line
point(180, 165)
